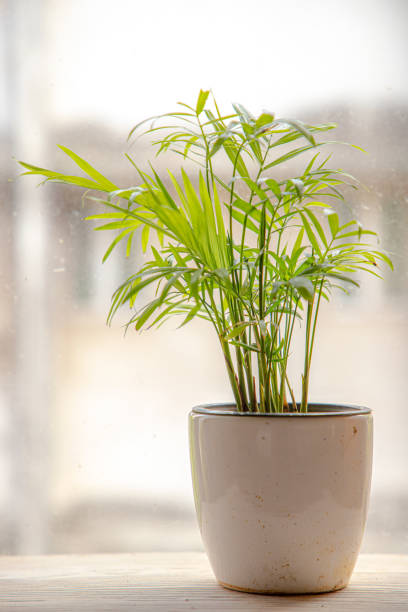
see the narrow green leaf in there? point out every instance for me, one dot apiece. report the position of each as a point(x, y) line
point(163, 189)
point(384, 257)
point(342, 277)
point(172, 281)
point(249, 347)
point(237, 330)
point(232, 150)
point(147, 313)
point(247, 208)
point(145, 237)
point(129, 244)
point(312, 238)
point(190, 316)
point(222, 138)
point(304, 286)
point(58, 177)
point(358, 233)
point(265, 119)
point(298, 241)
point(220, 224)
point(300, 127)
point(116, 242)
point(310, 164)
point(244, 219)
point(208, 210)
point(318, 226)
point(274, 186)
point(202, 99)
point(90, 171)
point(333, 219)
point(163, 314)
point(298, 185)
point(288, 156)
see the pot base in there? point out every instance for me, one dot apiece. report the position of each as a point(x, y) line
point(232, 587)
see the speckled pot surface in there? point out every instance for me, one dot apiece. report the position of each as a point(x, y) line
point(281, 499)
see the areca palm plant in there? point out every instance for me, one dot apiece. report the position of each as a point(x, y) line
point(252, 253)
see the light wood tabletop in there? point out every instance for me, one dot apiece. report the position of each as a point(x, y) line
point(175, 582)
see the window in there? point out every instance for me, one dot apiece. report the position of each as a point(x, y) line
point(93, 436)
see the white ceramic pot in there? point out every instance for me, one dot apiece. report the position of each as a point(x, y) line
point(281, 499)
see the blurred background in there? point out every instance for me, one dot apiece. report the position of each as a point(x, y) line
point(93, 426)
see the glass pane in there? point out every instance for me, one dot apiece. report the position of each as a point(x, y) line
point(93, 426)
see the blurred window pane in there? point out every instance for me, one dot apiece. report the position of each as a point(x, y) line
point(93, 426)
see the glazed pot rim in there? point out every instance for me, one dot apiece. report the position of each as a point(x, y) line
point(315, 410)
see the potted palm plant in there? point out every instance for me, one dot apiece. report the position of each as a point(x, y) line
point(281, 485)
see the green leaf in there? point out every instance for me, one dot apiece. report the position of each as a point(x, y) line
point(163, 314)
point(342, 277)
point(274, 186)
point(193, 312)
point(318, 226)
point(304, 286)
point(90, 171)
point(210, 220)
point(222, 138)
point(163, 189)
point(310, 164)
point(384, 257)
point(248, 209)
point(333, 219)
point(115, 242)
point(317, 204)
point(145, 237)
point(172, 281)
point(129, 244)
point(104, 215)
point(288, 156)
point(237, 330)
point(155, 117)
point(312, 238)
point(300, 127)
point(201, 100)
point(220, 224)
point(298, 241)
point(358, 233)
point(249, 347)
point(298, 185)
point(265, 119)
point(233, 152)
point(58, 177)
point(147, 313)
point(243, 219)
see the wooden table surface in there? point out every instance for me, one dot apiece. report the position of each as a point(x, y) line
point(179, 581)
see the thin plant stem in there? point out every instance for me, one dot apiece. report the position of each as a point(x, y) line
point(306, 371)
